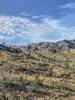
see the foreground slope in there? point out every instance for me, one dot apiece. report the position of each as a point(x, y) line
point(37, 72)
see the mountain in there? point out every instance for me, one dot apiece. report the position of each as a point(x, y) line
point(9, 48)
point(51, 46)
point(54, 46)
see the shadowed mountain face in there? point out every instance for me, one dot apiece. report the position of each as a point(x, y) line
point(9, 48)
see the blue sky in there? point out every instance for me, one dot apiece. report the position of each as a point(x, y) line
point(27, 21)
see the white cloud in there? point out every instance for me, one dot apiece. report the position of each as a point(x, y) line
point(70, 5)
point(24, 14)
point(30, 30)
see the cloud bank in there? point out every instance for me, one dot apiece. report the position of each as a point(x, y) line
point(26, 30)
point(69, 5)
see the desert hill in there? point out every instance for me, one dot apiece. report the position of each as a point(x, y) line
point(40, 71)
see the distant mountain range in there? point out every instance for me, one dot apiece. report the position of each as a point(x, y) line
point(52, 46)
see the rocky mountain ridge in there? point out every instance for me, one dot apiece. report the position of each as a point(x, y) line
point(52, 46)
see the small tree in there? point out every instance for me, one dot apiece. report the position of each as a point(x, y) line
point(4, 97)
point(50, 71)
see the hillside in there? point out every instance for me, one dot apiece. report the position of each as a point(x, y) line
point(42, 71)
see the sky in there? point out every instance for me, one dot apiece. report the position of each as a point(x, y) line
point(24, 22)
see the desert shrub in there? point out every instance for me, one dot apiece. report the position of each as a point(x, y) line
point(3, 97)
point(17, 97)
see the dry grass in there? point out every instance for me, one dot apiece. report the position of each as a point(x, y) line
point(50, 76)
